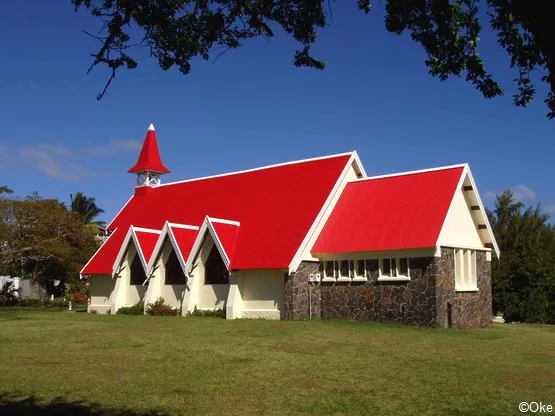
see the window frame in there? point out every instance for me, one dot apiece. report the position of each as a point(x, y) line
point(465, 268)
point(394, 270)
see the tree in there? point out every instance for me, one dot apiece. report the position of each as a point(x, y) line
point(41, 240)
point(175, 31)
point(86, 208)
point(5, 190)
point(523, 279)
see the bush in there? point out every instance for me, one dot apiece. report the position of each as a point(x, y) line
point(215, 313)
point(78, 297)
point(44, 303)
point(159, 308)
point(9, 296)
point(137, 309)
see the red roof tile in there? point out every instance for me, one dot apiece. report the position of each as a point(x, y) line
point(227, 235)
point(185, 238)
point(103, 260)
point(390, 213)
point(147, 241)
point(276, 207)
point(149, 158)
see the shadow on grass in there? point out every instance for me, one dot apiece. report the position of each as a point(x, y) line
point(16, 404)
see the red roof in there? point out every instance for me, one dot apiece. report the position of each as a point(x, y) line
point(103, 260)
point(147, 241)
point(149, 158)
point(227, 235)
point(389, 213)
point(185, 238)
point(275, 205)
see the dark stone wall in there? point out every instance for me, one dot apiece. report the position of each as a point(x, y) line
point(300, 295)
point(463, 309)
point(411, 302)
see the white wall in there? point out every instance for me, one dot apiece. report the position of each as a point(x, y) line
point(460, 229)
point(262, 293)
point(207, 296)
point(172, 294)
point(101, 288)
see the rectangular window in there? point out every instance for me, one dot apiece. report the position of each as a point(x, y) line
point(360, 268)
point(344, 268)
point(386, 267)
point(465, 270)
point(404, 266)
point(329, 270)
point(395, 268)
point(372, 268)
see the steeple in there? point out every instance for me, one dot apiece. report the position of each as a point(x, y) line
point(149, 165)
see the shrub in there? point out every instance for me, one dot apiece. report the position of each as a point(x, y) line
point(78, 297)
point(44, 303)
point(216, 313)
point(159, 308)
point(9, 295)
point(137, 309)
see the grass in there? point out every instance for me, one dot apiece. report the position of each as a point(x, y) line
point(69, 363)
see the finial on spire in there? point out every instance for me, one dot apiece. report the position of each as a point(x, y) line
point(149, 165)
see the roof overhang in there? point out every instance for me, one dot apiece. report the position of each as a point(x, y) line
point(131, 236)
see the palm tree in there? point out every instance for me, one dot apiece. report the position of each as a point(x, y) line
point(86, 208)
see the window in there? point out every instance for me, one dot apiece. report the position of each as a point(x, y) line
point(394, 268)
point(329, 270)
point(465, 270)
point(174, 272)
point(344, 268)
point(138, 275)
point(215, 272)
point(360, 268)
point(372, 268)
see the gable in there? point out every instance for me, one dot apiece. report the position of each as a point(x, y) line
point(460, 229)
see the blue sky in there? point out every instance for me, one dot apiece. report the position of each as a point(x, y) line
point(252, 108)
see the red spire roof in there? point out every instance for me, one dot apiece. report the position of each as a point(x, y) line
point(149, 158)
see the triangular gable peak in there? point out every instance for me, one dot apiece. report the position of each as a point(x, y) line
point(144, 240)
point(466, 206)
point(181, 237)
point(223, 232)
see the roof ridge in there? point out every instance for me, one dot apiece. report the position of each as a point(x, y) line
point(411, 172)
point(275, 165)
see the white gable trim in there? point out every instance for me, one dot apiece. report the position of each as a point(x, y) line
point(327, 206)
point(412, 172)
point(259, 168)
point(96, 252)
point(467, 173)
point(208, 227)
point(167, 232)
point(132, 236)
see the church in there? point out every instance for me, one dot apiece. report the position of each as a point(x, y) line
point(308, 239)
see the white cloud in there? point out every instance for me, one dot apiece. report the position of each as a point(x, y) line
point(523, 193)
point(126, 145)
point(550, 209)
point(53, 161)
point(113, 146)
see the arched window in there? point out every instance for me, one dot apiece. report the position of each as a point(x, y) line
point(138, 275)
point(215, 271)
point(174, 272)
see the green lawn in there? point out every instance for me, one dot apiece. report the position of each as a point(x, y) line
point(78, 364)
